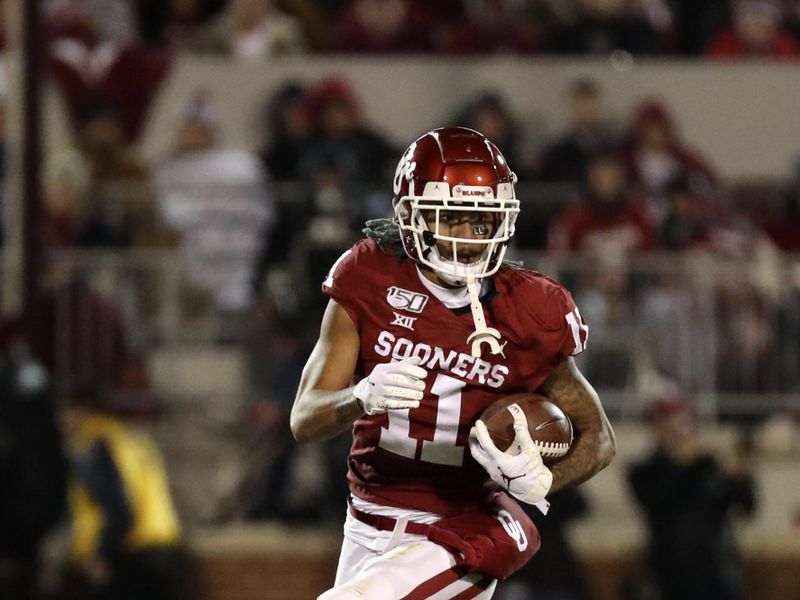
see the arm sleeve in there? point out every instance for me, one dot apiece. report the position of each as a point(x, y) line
point(568, 331)
point(104, 483)
point(343, 280)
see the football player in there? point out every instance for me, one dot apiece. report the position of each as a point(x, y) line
point(425, 328)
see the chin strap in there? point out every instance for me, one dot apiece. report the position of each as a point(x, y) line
point(482, 333)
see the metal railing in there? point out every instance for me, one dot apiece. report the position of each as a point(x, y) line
point(728, 330)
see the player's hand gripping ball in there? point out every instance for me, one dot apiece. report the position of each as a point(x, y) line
point(550, 428)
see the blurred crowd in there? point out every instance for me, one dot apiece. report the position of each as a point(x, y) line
point(253, 233)
point(262, 29)
point(659, 250)
point(89, 515)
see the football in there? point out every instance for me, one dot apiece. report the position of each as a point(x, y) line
point(549, 427)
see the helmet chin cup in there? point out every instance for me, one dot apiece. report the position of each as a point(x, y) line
point(450, 279)
point(454, 273)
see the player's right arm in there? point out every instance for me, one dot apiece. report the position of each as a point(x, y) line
point(327, 403)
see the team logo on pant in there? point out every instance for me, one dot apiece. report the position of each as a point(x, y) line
point(513, 529)
point(404, 300)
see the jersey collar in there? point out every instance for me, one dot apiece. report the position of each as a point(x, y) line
point(457, 299)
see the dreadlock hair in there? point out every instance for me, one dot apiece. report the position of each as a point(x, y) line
point(386, 233)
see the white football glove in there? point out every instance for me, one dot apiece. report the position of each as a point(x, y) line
point(519, 469)
point(391, 386)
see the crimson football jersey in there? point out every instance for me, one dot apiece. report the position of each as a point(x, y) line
point(418, 458)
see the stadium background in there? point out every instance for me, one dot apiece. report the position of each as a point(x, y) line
point(214, 373)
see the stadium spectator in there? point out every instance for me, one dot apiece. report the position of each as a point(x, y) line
point(603, 26)
point(695, 23)
point(687, 223)
point(252, 30)
point(746, 363)
point(607, 225)
point(669, 315)
point(670, 320)
point(588, 130)
point(67, 180)
point(688, 498)
point(783, 227)
point(318, 220)
point(756, 33)
point(607, 221)
point(791, 18)
point(655, 154)
point(175, 22)
point(262, 494)
point(126, 538)
point(312, 231)
point(272, 460)
point(32, 469)
point(101, 139)
point(315, 224)
point(81, 211)
point(746, 307)
point(119, 210)
point(316, 18)
point(85, 66)
point(489, 113)
point(382, 26)
point(80, 335)
point(489, 26)
point(218, 201)
point(289, 133)
point(342, 138)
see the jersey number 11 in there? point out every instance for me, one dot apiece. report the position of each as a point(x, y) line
point(443, 450)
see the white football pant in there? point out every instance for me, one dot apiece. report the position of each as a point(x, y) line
point(394, 565)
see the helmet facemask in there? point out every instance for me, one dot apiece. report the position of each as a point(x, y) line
point(420, 235)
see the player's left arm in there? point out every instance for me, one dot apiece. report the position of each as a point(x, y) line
point(594, 445)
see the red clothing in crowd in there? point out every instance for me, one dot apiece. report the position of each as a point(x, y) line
point(784, 232)
point(649, 169)
point(728, 45)
point(79, 336)
point(586, 228)
point(682, 161)
point(128, 78)
point(404, 30)
point(475, 38)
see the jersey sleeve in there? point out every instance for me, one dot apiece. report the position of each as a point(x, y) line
point(568, 331)
point(342, 282)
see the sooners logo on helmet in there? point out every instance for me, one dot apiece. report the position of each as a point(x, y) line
point(452, 155)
